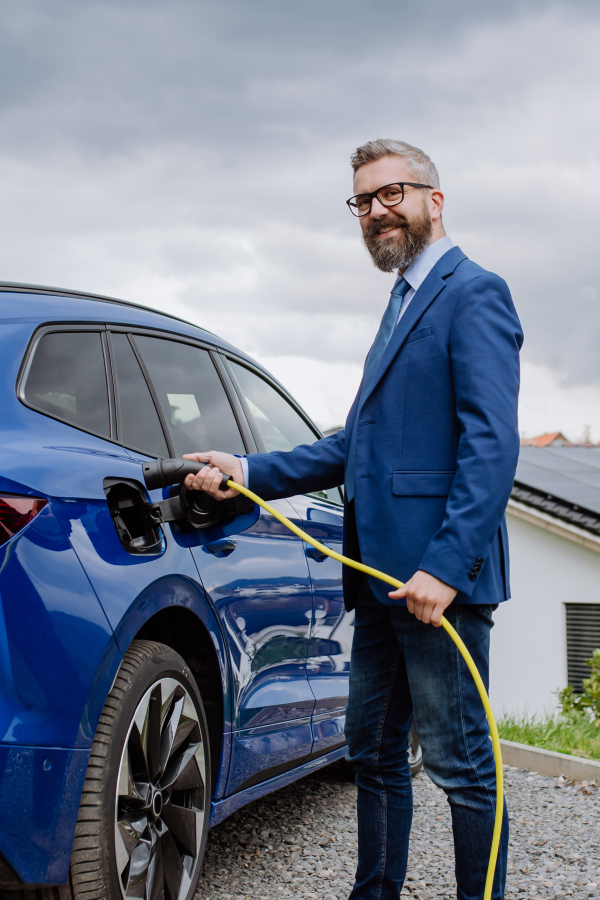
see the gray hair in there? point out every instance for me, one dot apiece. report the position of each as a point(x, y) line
point(423, 169)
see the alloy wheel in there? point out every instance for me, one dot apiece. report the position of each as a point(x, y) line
point(161, 796)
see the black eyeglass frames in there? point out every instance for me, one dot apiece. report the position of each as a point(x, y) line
point(388, 195)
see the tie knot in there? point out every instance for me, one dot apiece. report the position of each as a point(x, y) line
point(401, 287)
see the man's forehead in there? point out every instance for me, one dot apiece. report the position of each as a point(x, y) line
point(382, 171)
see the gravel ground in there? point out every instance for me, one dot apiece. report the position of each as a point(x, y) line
point(300, 842)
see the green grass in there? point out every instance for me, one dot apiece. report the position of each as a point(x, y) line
point(574, 733)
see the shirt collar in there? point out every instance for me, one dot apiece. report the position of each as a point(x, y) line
point(420, 267)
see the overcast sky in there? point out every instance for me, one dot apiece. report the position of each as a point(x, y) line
point(194, 156)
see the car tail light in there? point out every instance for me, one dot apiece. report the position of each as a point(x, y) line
point(16, 512)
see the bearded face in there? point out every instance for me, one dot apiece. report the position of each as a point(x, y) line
point(398, 251)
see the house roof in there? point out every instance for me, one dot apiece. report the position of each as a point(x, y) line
point(563, 482)
point(555, 438)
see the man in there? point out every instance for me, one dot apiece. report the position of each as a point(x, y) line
point(428, 457)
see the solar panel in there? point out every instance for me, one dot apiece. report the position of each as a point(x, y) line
point(571, 473)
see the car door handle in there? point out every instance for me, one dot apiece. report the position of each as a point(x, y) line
point(221, 548)
point(315, 554)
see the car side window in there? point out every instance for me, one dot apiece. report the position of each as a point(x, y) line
point(280, 426)
point(139, 425)
point(67, 379)
point(192, 398)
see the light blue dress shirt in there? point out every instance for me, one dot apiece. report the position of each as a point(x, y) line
point(415, 274)
point(420, 268)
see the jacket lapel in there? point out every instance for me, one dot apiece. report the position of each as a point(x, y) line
point(433, 285)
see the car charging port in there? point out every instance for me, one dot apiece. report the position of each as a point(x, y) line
point(138, 521)
point(138, 531)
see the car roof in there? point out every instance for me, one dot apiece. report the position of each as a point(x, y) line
point(83, 304)
point(76, 306)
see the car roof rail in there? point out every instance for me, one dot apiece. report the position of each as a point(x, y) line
point(22, 288)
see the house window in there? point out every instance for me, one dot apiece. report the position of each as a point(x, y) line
point(583, 637)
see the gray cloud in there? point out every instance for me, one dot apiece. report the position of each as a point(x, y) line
point(194, 156)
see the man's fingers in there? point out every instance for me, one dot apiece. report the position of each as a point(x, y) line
point(199, 457)
point(427, 610)
point(436, 616)
point(399, 593)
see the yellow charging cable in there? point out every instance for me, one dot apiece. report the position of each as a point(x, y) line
point(489, 882)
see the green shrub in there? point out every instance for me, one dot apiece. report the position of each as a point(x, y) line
point(589, 700)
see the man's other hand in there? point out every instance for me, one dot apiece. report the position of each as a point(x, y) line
point(211, 474)
point(426, 597)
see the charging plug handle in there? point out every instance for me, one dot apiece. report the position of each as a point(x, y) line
point(164, 472)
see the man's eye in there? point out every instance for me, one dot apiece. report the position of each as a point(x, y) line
point(392, 193)
point(363, 202)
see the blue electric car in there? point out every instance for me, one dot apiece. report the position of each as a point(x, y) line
point(161, 662)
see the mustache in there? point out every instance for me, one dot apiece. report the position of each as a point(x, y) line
point(377, 227)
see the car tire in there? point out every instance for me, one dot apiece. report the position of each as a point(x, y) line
point(415, 757)
point(145, 806)
point(415, 752)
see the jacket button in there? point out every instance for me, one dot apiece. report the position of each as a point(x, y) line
point(479, 561)
point(472, 576)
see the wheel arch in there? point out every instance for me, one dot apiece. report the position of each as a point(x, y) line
point(185, 633)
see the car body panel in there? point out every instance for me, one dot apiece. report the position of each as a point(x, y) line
point(262, 593)
point(40, 789)
point(328, 659)
point(54, 633)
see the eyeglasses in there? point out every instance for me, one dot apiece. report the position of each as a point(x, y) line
point(388, 195)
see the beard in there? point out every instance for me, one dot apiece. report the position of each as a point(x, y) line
point(399, 251)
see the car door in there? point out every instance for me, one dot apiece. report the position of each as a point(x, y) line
point(279, 425)
point(256, 578)
point(328, 661)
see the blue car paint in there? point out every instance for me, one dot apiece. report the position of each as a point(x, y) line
point(40, 789)
point(72, 600)
point(266, 618)
point(328, 659)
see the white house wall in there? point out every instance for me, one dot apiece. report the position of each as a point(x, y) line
point(528, 660)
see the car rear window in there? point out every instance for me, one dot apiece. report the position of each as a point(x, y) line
point(192, 397)
point(67, 379)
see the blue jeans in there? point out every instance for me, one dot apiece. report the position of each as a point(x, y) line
point(402, 667)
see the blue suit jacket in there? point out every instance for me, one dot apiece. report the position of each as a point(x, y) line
point(437, 442)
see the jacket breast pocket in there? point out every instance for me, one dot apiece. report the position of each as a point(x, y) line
point(419, 334)
point(422, 484)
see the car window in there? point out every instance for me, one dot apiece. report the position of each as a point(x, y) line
point(67, 378)
point(193, 399)
point(280, 426)
point(139, 425)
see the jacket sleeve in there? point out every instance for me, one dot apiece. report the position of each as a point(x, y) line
point(307, 468)
point(485, 339)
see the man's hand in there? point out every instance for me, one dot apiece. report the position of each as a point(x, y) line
point(210, 476)
point(426, 597)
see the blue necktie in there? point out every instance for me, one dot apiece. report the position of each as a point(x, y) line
point(386, 329)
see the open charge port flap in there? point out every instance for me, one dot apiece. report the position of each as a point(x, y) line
point(129, 508)
point(138, 521)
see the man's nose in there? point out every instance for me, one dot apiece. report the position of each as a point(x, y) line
point(377, 209)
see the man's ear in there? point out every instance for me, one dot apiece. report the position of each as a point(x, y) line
point(436, 198)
